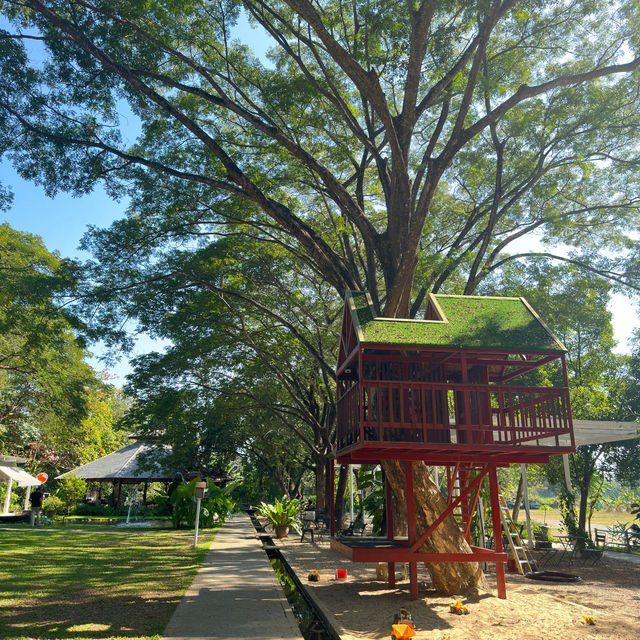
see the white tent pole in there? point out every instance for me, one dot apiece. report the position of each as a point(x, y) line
point(26, 498)
point(351, 489)
point(7, 497)
point(567, 473)
point(525, 489)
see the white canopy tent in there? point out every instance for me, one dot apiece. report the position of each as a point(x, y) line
point(586, 432)
point(601, 431)
point(11, 473)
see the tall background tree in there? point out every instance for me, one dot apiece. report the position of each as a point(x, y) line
point(397, 147)
point(54, 408)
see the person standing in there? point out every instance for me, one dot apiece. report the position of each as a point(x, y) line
point(36, 499)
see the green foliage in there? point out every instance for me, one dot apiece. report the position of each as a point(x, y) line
point(231, 367)
point(45, 384)
point(180, 502)
point(540, 532)
point(282, 513)
point(15, 504)
point(256, 484)
point(71, 490)
point(489, 323)
point(373, 501)
point(261, 188)
point(570, 519)
point(99, 510)
point(54, 506)
point(100, 433)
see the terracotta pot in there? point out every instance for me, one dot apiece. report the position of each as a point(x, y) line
point(282, 532)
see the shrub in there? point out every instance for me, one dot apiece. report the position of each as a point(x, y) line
point(100, 510)
point(53, 506)
point(71, 490)
point(282, 514)
point(180, 503)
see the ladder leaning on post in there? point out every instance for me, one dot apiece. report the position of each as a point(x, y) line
point(518, 550)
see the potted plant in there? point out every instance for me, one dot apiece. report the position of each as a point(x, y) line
point(282, 515)
point(542, 536)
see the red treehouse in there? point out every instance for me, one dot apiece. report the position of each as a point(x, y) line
point(445, 390)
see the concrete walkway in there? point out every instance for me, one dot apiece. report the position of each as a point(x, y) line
point(624, 557)
point(235, 594)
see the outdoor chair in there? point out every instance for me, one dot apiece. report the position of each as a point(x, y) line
point(322, 519)
point(307, 524)
point(354, 528)
point(632, 537)
point(307, 528)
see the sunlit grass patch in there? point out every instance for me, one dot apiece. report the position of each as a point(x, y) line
point(62, 584)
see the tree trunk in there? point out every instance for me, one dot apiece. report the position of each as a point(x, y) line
point(321, 483)
point(448, 578)
point(340, 493)
point(582, 509)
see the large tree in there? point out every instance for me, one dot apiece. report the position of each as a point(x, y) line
point(44, 380)
point(394, 146)
point(246, 346)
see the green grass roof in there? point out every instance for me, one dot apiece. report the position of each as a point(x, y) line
point(467, 322)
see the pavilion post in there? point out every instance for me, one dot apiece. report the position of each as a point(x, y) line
point(7, 496)
point(567, 472)
point(26, 498)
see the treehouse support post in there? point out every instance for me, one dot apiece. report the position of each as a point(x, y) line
point(411, 526)
point(388, 503)
point(497, 529)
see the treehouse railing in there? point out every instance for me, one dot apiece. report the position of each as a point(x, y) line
point(468, 415)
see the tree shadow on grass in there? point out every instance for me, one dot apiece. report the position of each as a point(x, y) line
point(88, 615)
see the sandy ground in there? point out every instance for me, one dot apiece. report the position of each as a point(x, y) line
point(363, 607)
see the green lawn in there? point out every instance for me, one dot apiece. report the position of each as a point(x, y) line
point(600, 519)
point(93, 583)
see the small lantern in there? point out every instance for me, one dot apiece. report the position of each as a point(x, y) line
point(201, 487)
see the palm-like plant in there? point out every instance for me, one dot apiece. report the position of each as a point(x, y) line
point(282, 514)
